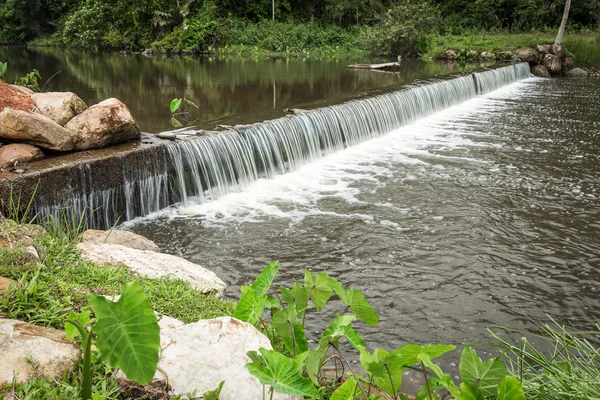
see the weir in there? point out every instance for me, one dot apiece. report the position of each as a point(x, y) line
point(206, 168)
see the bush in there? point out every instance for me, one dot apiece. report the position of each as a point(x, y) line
point(403, 29)
point(86, 27)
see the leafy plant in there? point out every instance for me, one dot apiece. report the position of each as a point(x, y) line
point(175, 105)
point(127, 335)
point(298, 371)
point(30, 80)
point(3, 67)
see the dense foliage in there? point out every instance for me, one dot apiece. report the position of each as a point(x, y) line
point(381, 26)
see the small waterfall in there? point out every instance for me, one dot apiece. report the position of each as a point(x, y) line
point(210, 167)
point(206, 168)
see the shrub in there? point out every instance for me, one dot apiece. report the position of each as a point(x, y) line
point(403, 29)
point(86, 27)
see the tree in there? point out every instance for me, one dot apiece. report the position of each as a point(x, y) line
point(563, 23)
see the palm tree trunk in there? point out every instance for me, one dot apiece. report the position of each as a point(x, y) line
point(563, 23)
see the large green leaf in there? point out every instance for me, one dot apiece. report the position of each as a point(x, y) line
point(510, 389)
point(251, 306)
point(385, 368)
point(127, 333)
point(290, 329)
point(346, 391)
point(282, 374)
point(356, 302)
point(485, 375)
point(314, 361)
point(409, 354)
point(297, 295)
point(470, 392)
point(319, 286)
point(175, 104)
point(265, 279)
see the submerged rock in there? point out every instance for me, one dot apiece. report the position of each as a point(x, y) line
point(154, 265)
point(541, 71)
point(61, 107)
point(123, 238)
point(529, 55)
point(552, 63)
point(577, 73)
point(35, 129)
point(108, 122)
point(18, 153)
point(200, 355)
point(23, 345)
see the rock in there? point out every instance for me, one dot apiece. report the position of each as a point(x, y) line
point(577, 73)
point(543, 49)
point(448, 55)
point(108, 122)
point(552, 63)
point(12, 97)
point(568, 63)
point(295, 111)
point(557, 50)
point(18, 153)
point(541, 71)
point(505, 55)
point(123, 238)
point(22, 89)
point(154, 265)
point(6, 284)
point(199, 356)
point(36, 129)
point(22, 344)
point(60, 107)
point(472, 54)
point(486, 55)
point(527, 54)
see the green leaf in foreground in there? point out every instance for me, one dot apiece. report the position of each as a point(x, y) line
point(127, 333)
point(282, 374)
point(487, 375)
point(213, 394)
point(319, 286)
point(346, 391)
point(251, 306)
point(510, 389)
point(265, 279)
point(175, 104)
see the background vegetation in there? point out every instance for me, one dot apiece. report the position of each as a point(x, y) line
point(386, 27)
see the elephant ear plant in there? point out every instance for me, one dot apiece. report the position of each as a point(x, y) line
point(127, 335)
point(297, 370)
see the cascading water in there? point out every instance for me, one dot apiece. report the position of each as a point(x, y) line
point(206, 168)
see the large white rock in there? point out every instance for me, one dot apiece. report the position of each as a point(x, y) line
point(23, 345)
point(105, 123)
point(199, 356)
point(154, 265)
point(35, 129)
point(60, 107)
point(124, 238)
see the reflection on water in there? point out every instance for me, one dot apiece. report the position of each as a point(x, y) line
point(247, 89)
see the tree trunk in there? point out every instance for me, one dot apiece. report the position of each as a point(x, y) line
point(563, 23)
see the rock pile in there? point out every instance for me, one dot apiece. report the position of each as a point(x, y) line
point(546, 60)
point(58, 122)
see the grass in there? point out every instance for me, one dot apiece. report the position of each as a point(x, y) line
point(585, 47)
point(555, 363)
point(59, 282)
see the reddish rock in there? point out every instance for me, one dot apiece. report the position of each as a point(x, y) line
point(18, 152)
point(15, 99)
point(108, 122)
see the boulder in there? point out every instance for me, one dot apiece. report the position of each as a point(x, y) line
point(154, 265)
point(198, 356)
point(568, 63)
point(22, 344)
point(543, 49)
point(123, 238)
point(527, 54)
point(448, 55)
point(108, 122)
point(12, 97)
point(36, 129)
point(487, 55)
point(552, 63)
point(577, 73)
point(23, 89)
point(6, 284)
point(557, 50)
point(541, 71)
point(18, 153)
point(60, 107)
